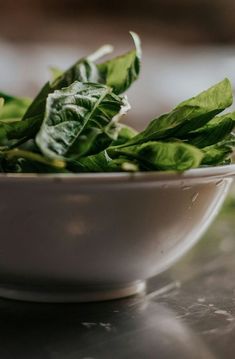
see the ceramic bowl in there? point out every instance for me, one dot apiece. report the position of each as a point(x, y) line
point(68, 238)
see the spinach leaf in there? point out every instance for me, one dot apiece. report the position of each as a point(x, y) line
point(79, 119)
point(14, 107)
point(188, 115)
point(214, 131)
point(149, 156)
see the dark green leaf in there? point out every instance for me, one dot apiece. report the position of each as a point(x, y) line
point(83, 70)
point(148, 156)
point(28, 162)
point(219, 153)
point(214, 131)
point(76, 116)
point(101, 162)
point(118, 73)
point(189, 115)
point(161, 155)
point(16, 131)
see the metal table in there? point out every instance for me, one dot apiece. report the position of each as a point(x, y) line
point(188, 312)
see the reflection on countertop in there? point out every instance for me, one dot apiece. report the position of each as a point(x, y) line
point(131, 328)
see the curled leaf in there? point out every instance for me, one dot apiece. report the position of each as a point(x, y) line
point(79, 119)
point(120, 72)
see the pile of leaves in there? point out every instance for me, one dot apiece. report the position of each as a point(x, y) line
point(73, 124)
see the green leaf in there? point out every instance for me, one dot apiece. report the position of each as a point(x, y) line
point(214, 131)
point(120, 72)
point(18, 160)
point(219, 153)
point(101, 162)
point(83, 70)
point(14, 107)
point(189, 115)
point(78, 119)
point(103, 127)
point(161, 155)
point(15, 131)
point(150, 156)
point(124, 135)
point(55, 73)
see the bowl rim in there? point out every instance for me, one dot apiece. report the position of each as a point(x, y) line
point(126, 177)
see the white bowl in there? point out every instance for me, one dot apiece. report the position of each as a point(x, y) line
point(100, 236)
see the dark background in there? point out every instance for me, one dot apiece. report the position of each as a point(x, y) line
point(182, 21)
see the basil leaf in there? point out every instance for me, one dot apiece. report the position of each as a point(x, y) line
point(103, 127)
point(219, 153)
point(16, 131)
point(14, 107)
point(28, 162)
point(76, 117)
point(83, 70)
point(124, 135)
point(120, 72)
point(101, 162)
point(189, 115)
point(214, 131)
point(149, 156)
point(162, 155)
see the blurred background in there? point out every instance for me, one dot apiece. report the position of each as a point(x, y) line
point(187, 44)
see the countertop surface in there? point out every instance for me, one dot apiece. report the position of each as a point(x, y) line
point(187, 312)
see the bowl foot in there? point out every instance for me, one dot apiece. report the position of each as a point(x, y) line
point(76, 295)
